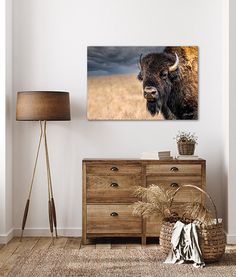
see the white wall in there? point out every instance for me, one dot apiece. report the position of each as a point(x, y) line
point(2, 117)
point(9, 120)
point(50, 48)
point(231, 192)
point(6, 223)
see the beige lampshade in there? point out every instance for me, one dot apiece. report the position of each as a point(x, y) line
point(43, 105)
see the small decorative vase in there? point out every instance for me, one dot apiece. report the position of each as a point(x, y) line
point(186, 148)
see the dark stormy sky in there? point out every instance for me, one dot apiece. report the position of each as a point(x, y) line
point(107, 60)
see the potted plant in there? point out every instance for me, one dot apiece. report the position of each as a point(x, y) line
point(186, 142)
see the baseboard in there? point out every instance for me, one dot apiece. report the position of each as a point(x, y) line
point(44, 232)
point(231, 239)
point(67, 232)
point(4, 238)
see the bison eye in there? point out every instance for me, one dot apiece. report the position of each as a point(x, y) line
point(164, 74)
point(140, 76)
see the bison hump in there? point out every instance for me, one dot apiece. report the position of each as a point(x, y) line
point(187, 53)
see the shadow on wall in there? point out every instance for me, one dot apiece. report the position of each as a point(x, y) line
point(77, 111)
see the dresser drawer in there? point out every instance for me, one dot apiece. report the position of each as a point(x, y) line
point(113, 168)
point(153, 226)
point(109, 189)
point(174, 182)
point(154, 222)
point(174, 169)
point(112, 219)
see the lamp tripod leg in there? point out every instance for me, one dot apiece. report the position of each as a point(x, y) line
point(51, 203)
point(24, 217)
point(31, 184)
point(54, 216)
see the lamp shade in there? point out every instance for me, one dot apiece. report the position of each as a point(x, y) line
point(43, 105)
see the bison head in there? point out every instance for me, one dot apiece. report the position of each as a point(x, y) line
point(157, 73)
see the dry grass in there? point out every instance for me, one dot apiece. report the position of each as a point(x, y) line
point(196, 211)
point(158, 201)
point(117, 97)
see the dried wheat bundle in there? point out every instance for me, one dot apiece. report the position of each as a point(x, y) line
point(158, 201)
point(155, 194)
point(197, 211)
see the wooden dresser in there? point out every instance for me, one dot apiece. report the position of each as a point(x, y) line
point(108, 187)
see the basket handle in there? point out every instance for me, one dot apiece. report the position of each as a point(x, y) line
point(201, 190)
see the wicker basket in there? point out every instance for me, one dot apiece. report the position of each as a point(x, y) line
point(211, 238)
point(186, 148)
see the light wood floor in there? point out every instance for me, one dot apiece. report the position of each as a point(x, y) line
point(12, 251)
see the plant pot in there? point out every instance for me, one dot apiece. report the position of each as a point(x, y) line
point(186, 148)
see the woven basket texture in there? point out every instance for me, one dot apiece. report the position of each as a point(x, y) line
point(212, 239)
point(186, 148)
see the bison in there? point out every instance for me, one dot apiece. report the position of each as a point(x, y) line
point(170, 82)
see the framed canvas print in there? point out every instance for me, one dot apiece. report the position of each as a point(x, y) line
point(142, 83)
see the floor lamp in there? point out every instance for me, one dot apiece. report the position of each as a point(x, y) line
point(42, 106)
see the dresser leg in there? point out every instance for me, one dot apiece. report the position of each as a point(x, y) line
point(85, 241)
point(144, 240)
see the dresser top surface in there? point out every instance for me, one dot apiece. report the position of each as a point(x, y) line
point(130, 160)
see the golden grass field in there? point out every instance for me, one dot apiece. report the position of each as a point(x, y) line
point(117, 97)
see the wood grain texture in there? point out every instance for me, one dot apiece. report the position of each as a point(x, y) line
point(174, 169)
point(133, 246)
point(103, 246)
point(112, 189)
point(73, 243)
point(118, 246)
point(43, 243)
point(114, 168)
point(173, 182)
point(84, 203)
point(203, 180)
point(21, 249)
point(8, 250)
point(140, 161)
point(100, 219)
point(88, 246)
point(8, 258)
point(167, 179)
point(144, 184)
point(100, 199)
point(153, 226)
point(60, 242)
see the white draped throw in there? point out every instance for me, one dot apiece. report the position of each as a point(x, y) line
point(184, 245)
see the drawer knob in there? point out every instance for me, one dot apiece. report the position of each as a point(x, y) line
point(114, 185)
point(174, 185)
point(114, 214)
point(174, 169)
point(114, 168)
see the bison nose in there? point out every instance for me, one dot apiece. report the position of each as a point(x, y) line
point(150, 92)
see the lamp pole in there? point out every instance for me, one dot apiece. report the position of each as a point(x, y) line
point(51, 202)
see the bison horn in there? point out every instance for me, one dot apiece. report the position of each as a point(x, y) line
point(175, 65)
point(140, 60)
